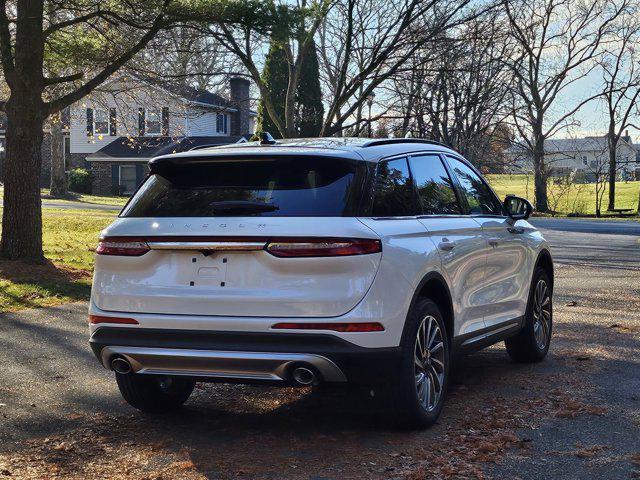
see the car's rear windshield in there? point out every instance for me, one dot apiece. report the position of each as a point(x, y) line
point(273, 187)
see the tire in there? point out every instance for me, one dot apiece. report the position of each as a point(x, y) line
point(417, 401)
point(532, 343)
point(155, 394)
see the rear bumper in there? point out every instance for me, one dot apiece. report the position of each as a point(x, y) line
point(241, 356)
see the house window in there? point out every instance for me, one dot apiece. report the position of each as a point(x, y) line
point(584, 160)
point(222, 123)
point(128, 181)
point(100, 122)
point(153, 121)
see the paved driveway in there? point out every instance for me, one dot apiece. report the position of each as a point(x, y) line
point(576, 415)
point(70, 205)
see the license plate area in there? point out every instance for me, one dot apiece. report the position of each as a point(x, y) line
point(207, 269)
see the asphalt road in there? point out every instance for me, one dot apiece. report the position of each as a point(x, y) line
point(76, 206)
point(576, 415)
point(594, 243)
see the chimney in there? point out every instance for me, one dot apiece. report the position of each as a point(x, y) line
point(240, 100)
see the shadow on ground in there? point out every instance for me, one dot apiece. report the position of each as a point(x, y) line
point(575, 415)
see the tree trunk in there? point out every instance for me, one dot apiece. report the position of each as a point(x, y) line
point(22, 214)
point(58, 175)
point(612, 174)
point(540, 175)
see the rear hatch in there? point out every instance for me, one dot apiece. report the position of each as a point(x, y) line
point(247, 236)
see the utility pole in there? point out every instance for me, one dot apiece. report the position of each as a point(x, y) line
point(370, 98)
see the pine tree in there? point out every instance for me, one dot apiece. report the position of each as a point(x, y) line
point(276, 78)
point(309, 111)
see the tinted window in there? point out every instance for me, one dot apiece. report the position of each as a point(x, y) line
point(479, 196)
point(394, 195)
point(283, 187)
point(435, 189)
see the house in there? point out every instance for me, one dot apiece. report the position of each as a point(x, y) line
point(586, 156)
point(116, 130)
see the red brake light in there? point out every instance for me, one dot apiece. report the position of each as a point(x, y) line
point(94, 319)
point(336, 327)
point(126, 247)
point(322, 247)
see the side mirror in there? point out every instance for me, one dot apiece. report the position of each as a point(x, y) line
point(517, 208)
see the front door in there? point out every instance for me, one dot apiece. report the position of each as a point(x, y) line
point(503, 288)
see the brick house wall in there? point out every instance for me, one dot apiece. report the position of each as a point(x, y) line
point(102, 176)
point(45, 171)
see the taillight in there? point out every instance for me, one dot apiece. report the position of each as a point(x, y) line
point(322, 247)
point(336, 327)
point(95, 319)
point(126, 247)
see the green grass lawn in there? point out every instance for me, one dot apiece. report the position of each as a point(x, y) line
point(80, 197)
point(578, 199)
point(69, 237)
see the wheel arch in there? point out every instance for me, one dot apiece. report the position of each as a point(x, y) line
point(434, 287)
point(545, 262)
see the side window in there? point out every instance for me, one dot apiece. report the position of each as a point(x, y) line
point(480, 198)
point(394, 195)
point(435, 188)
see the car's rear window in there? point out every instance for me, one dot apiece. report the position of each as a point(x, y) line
point(280, 187)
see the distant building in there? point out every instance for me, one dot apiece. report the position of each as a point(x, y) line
point(117, 129)
point(586, 156)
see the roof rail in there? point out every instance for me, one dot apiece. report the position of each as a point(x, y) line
point(391, 141)
point(208, 145)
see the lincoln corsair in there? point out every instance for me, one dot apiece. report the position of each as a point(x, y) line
point(305, 261)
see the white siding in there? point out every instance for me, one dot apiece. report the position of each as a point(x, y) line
point(202, 123)
point(184, 120)
point(575, 160)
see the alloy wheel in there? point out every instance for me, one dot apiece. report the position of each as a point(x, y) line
point(429, 366)
point(542, 314)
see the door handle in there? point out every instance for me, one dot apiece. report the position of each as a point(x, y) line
point(446, 245)
point(515, 229)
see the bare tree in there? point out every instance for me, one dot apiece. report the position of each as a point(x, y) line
point(364, 43)
point(52, 54)
point(598, 168)
point(58, 185)
point(456, 90)
point(185, 55)
point(556, 44)
point(26, 33)
point(621, 88)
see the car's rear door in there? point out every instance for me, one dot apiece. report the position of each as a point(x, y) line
point(505, 284)
point(457, 237)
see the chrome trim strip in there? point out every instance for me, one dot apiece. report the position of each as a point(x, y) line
point(220, 364)
point(217, 246)
point(508, 326)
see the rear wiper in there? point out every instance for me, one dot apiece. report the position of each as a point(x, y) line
point(243, 205)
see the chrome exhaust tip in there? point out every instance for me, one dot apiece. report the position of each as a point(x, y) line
point(303, 376)
point(120, 365)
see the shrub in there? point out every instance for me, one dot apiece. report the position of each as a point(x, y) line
point(80, 180)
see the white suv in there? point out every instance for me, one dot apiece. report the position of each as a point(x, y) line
point(316, 260)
